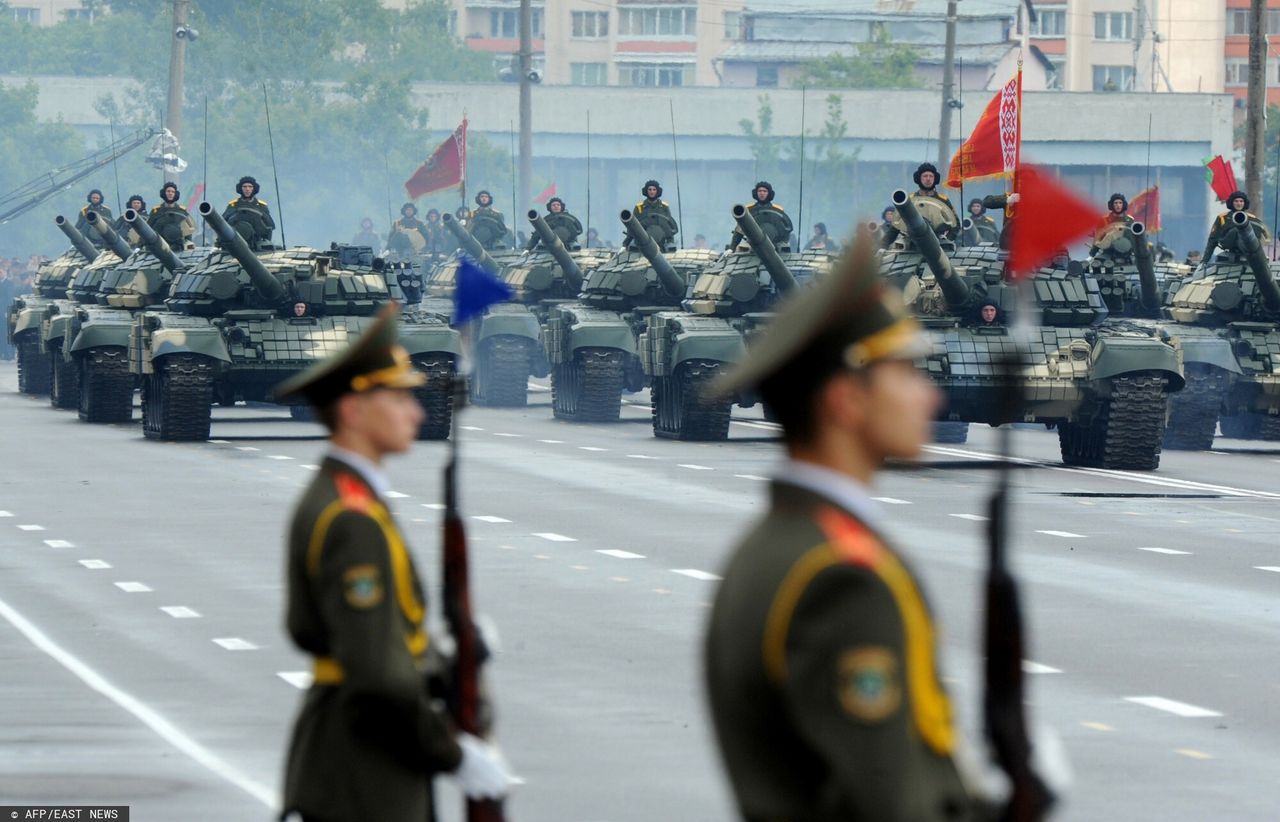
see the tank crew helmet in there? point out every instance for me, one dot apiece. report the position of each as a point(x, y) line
point(136, 198)
point(920, 174)
point(1121, 198)
point(976, 202)
point(767, 187)
point(820, 228)
point(247, 179)
point(555, 200)
point(407, 207)
point(433, 212)
point(89, 197)
point(483, 193)
point(644, 190)
point(1238, 195)
point(166, 187)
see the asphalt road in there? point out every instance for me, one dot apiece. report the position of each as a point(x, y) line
point(145, 663)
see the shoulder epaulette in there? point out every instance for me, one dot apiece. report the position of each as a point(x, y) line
point(233, 202)
point(155, 209)
point(639, 207)
point(849, 537)
point(775, 205)
point(352, 492)
point(941, 196)
point(84, 211)
point(664, 202)
point(262, 202)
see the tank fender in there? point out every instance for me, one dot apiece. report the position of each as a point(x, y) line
point(426, 339)
point(1213, 351)
point(28, 320)
point(57, 329)
point(510, 320)
point(1115, 356)
point(101, 335)
point(207, 342)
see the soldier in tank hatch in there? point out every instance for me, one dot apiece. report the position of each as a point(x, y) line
point(249, 215)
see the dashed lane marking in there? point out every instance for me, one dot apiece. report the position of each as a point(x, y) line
point(1063, 534)
point(1172, 706)
point(31, 527)
point(470, 428)
point(180, 612)
point(541, 556)
point(278, 457)
point(235, 643)
point(298, 679)
point(95, 564)
point(434, 506)
point(591, 448)
point(1030, 667)
point(219, 442)
point(553, 537)
point(755, 477)
point(1156, 550)
point(1275, 568)
point(5, 514)
point(489, 518)
point(247, 448)
point(693, 467)
point(617, 553)
point(892, 500)
point(1192, 753)
point(504, 434)
point(619, 579)
point(695, 573)
point(580, 567)
point(971, 517)
point(661, 591)
point(640, 457)
point(133, 587)
point(1098, 726)
point(59, 543)
point(553, 442)
point(396, 495)
point(312, 467)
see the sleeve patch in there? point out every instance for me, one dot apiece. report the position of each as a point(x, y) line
point(362, 586)
point(869, 683)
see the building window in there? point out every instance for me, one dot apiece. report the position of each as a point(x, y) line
point(662, 75)
point(506, 24)
point(588, 74)
point(733, 25)
point(588, 24)
point(1113, 78)
point(1057, 74)
point(78, 14)
point(677, 21)
point(1238, 21)
point(767, 76)
point(24, 14)
point(1050, 23)
point(1237, 72)
point(1113, 25)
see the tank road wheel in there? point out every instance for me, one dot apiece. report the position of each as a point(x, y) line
point(106, 386)
point(1127, 432)
point(34, 366)
point(951, 432)
point(502, 371)
point(1270, 427)
point(1246, 426)
point(177, 399)
point(1193, 411)
point(437, 395)
point(589, 387)
point(64, 387)
point(681, 408)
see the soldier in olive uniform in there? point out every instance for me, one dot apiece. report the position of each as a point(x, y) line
point(1223, 227)
point(983, 228)
point(1117, 214)
point(773, 221)
point(171, 220)
point(94, 199)
point(926, 179)
point(655, 215)
point(409, 235)
point(821, 661)
point(563, 224)
point(249, 215)
point(487, 224)
point(369, 738)
point(122, 227)
point(439, 241)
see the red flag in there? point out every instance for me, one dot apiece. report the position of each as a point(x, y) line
point(1145, 208)
point(1221, 177)
point(994, 145)
point(1050, 217)
point(445, 168)
point(547, 194)
point(195, 197)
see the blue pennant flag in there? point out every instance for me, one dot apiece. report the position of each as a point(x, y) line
point(476, 290)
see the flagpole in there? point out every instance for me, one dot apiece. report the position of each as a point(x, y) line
point(588, 228)
point(463, 187)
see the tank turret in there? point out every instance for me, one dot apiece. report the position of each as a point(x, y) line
point(671, 281)
point(1145, 263)
point(113, 240)
point(953, 287)
point(764, 249)
point(470, 244)
point(87, 249)
point(268, 286)
point(570, 269)
point(153, 241)
point(1258, 262)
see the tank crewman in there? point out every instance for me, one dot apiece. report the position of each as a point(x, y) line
point(171, 220)
point(368, 739)
point(487, 224)
point(1117, 214)
point(820, 654)
point(926, 178)
point(565, 226)
point(983, 229)
point(821, 239)
point(94, 198)
point(125, 230)
point(1223, 231)
point(249, 215)
point(654, 214)
point(366, 236)
point(989, 315)
point(773, 221)
point(408, 236)
point(439, 241)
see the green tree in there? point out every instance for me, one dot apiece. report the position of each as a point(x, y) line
point(878, 63)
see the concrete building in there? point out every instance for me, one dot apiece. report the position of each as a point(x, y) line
point(1236, 50)
point(47, 12)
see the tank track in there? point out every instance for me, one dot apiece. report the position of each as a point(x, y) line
point(955, 433)
point(64, 387)
point(35, 370)
point(1193, 411)
point(177, 399)
point(106, 386)
point(589, 387)
point(1126, 434)
point(437, 395)
point(502, 372)
point(1251, 426)
point(681, 411)
point(1270, 428)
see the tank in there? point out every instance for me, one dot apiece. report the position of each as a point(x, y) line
point(229, 332)
point(593, 342)
point(1103, 387)
point(1226, 317)
point(726, 306)
point(26, 313)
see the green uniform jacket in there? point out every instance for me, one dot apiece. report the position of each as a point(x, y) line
point(368, 739)
point(655, 216)
point(251, 218)
point(82, 224)
point(984, 231)
point(409, 236)
point(1223, 226)
point(489, 228)
point(174, 223)
point(822, 676)
point(773, 221)
point(889, 233)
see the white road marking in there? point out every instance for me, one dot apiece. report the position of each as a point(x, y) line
point(133, 587)
point(553, 442)
point(591, 448)
point(5, 514)
point(95, 564)
point(542, 556)
point(619, 579)
point(489, 518)
point(142, 712)
point(247, 448)
point(619, 554)
point(1063, 534)
point(752, 477)
point(1030, 667)
point(1275, 568)
point(892, 500)
point(396, 495)
point(501, 434)
point(278, 457)
point(235, 643)
point(59, 543)
point(1155, 550)
point(434, 506)
point(640, 457)
point(220, 442)
point(470, 428)
point(693, 467)
point(553, 537)
point(1192, 753)
point(312, 467)
point(695, 573)
point(971, 517)
point(1171, 706)
point(1098, 726)
point(31, 527)
point(180, 612)
point(298, 679)
point(767, 426)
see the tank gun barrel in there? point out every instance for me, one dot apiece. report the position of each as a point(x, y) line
point(1143, 259)
point(154, 242)
point(671, 280)
point(470, 244)
point(262, 279)
point(1258, 262)
point(87, 249)
point(954, 289)
point(552, 243)
point(109, 236)
point(764, 249)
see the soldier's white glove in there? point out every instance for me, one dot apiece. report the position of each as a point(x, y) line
point(483, 772)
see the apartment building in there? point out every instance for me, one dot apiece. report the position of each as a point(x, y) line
point(47, 12)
